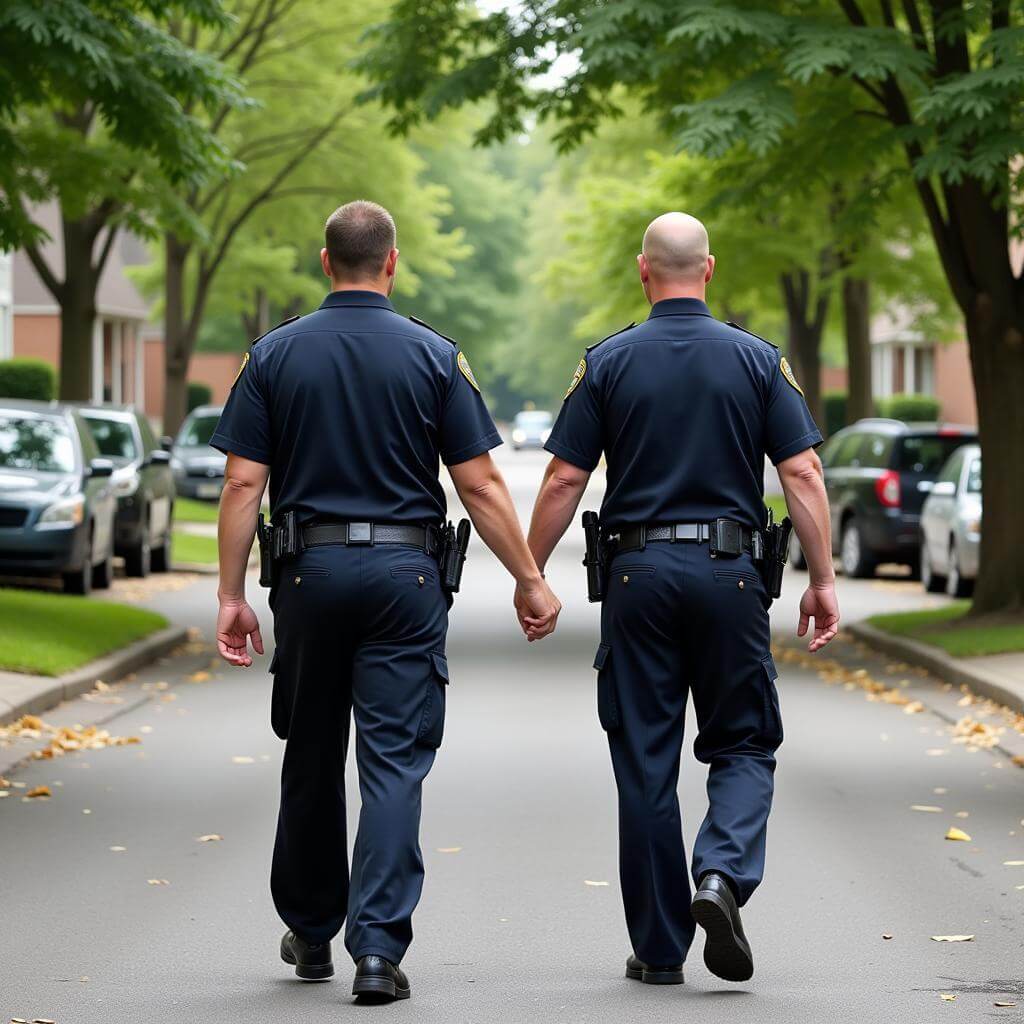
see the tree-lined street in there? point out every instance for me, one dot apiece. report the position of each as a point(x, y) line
point(521, 918)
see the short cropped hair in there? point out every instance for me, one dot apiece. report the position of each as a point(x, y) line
point(358, 237)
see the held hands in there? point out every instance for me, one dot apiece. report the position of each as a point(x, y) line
point(537, 609)
point(819, 603)
point(236, 625)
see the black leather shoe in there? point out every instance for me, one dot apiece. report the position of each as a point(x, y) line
point(637, 970)
point(312, 963)
point(379, 980)
point(726, 950)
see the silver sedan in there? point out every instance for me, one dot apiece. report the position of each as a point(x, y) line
point(951, 525)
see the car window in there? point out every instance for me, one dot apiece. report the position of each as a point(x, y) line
point(847, 452)
point(876, 451)
point(829, 449)
point(951, 471)
point(974, 477)
point(533, 419)
point(36, 443)
point(926, 453)
point(198, 430)
point(114, 438)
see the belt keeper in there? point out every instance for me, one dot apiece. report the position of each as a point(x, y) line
point(643, 536)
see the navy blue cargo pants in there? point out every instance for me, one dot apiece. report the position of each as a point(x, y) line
point(676, 621)
point(360, 633)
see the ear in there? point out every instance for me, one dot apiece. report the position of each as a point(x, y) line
point(325, 262)
point(392, 264)
point(710, 272)
point(644, 267)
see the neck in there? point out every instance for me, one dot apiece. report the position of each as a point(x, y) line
point(360, 286)
point(658, 291)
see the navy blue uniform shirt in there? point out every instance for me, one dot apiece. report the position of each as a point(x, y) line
point(351, 407)
point(685, 409)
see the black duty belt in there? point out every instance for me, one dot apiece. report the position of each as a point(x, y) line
point(723, 536)
point(370, 534)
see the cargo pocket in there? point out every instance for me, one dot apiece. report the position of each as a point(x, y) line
point(280, 699)
point(772, 712)
point(431, 728)
point(607, 700)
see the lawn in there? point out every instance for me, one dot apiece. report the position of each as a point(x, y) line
point(777, 503)
point(947, 628)
point(188, 510)
point(49, 634)
point(187, 547)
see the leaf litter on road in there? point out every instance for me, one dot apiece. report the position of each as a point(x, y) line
point(926, 807)
point(952, 938)
point(211, 838)
point(958, 835)
point(587, 881)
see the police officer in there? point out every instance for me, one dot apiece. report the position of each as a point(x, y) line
point(348, 411)
point(685, 408)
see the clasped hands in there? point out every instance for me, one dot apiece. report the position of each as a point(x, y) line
point(536, 607)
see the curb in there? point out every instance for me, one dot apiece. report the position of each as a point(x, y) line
point(200, 568)
point(31, 695)
point(939, 663)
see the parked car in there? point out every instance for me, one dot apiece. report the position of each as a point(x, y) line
point(951, 525)
point(198, 468)
point(143, 485)
point(531, 428)
point(877, 474)
point(57, 504)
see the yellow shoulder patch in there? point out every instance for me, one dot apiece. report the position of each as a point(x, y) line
point(576, 377)
point(465, 370)
point(241, 369)
point(787, 372)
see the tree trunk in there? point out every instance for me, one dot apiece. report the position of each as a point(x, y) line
point(77, 313)
point(177, 346)
point(857, 326)
point(805, 326)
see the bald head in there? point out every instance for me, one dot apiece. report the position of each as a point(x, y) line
point(676, 248)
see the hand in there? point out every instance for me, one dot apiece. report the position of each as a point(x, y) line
point(819, 603)
point(537, 609)
point(236, 624)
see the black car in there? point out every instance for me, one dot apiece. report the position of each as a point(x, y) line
point(143, 485)
point(57, 504)
point(878, 473)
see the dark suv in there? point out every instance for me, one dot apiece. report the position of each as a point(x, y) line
point(878, 473)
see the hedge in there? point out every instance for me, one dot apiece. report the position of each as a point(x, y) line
point(913, 408)
point(198, 394)
point(27, 378)
point(834, 403)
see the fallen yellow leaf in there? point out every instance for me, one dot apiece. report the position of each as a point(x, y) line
point(952, 938)
point(886, 935)
point(118, 849)
point(926, 807)
point(1000, 1002)
point(38, 791)
point(948, 996)
point(157, 881)
point(211, 838)
point(936, 751)
point(1013, 863)
point(958, 834)
point(4, 784)
point(243, 759)
point(962, 814)
point(449, 849)
point(587, 881)
point(199, 677)
point(913, 708)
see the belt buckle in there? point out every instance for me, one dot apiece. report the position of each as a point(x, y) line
point(360, 534)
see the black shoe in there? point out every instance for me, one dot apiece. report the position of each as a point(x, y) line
point(379, 980)
point(637, 970)
point(312, 963)
point(726, 950)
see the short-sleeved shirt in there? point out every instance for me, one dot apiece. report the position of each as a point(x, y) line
point(685, 408)
point(352, 407)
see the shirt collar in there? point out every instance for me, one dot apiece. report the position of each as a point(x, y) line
point(356, 297)
point(673, 307)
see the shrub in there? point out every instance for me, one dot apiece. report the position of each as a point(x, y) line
point(913, 408)
point(198, 394)
point(835, 411)
point(27, 378)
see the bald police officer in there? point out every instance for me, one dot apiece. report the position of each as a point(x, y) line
point(348, 410)
point(685, 408)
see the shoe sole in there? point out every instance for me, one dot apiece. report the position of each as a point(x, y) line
point(726, 955)
point(309, 972)
point(379, 990)
point(655, 977)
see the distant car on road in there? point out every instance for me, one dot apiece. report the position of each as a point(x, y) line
point(877, 474)
point(143, 485)
point(531, 428)
point(198, 469)
point(57, 505)
point(951, 525)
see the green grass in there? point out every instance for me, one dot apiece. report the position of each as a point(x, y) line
point(187, 547)
point(777, 503)
point(188, 510)
point(946, 628)
point(49, 634)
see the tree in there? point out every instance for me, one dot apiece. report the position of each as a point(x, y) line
point(945, 78)
point(93, 99)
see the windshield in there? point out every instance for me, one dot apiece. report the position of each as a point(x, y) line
point(533, 419)
point(35, 443)
point(974, 477)
point(927, 453)
point(114, 438)
point(198, 430)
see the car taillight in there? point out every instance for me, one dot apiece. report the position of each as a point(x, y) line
point(887, 487)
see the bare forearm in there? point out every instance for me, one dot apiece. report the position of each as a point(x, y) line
point(808, 508)
point(236, 527)
point(556, 505)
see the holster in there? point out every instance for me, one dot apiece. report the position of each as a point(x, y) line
point(594, 559)
point(776, 554)
point(279, 542)
point(454, 544)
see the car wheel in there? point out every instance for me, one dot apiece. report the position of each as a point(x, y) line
point(138, 561)
point(853, 555)
point(930, 580)
point(80, 582)
point(956, 585)
point(160, 559)
point(103, 574)
point(796, 553)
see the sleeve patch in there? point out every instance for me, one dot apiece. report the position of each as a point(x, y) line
point(787, 372)
point(466, 371)
point(576, 377)
point(241, 369)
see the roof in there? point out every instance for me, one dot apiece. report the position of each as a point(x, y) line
point(30, 405)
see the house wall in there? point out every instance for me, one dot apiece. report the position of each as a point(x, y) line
point(954, 386)
point(37, 337)
point(217, 370)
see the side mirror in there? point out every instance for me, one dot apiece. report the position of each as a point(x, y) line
point(944, 489)
point(99, 468)
point(166, 443)
point(159, 457)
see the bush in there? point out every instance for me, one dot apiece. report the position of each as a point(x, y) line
point(834, 403)
point(913, 408)
point(27, 378)
point(198, 394)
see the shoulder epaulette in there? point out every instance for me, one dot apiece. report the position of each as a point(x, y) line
point(434, 330)
point(288, 320)
point(729, 323)
point(614, 334)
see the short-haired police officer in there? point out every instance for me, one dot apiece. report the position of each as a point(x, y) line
point(685, 409)
point(348, 411)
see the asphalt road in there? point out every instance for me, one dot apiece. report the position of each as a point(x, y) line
point(521, 801)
